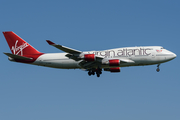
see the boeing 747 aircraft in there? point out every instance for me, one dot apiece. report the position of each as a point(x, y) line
point(92, 61)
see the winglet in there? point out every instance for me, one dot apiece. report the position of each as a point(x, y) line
point(50, 42)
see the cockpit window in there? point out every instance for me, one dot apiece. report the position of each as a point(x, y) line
point(162, 48)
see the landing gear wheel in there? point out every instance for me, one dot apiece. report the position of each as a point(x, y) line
point(89, 73)
point(93, 73)
point(157, 69)
point(98, 75)
point(98, 72)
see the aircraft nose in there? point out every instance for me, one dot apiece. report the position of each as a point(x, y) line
point(170, 55)
point(174, 55)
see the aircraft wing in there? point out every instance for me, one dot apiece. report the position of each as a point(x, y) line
point(73, 53)
point(92, 64)
point(76, 55)
point(63, 48)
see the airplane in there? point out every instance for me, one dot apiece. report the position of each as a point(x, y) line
point(92, 61)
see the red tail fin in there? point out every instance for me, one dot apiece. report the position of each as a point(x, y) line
point(18, 46)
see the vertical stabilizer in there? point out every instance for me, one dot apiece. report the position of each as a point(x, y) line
point(18, 46)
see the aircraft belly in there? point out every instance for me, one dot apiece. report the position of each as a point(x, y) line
point(67, 64)
point(57, 61)
point(64, 64)
point(140, 61)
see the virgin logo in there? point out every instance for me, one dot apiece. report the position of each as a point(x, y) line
point(19, 49)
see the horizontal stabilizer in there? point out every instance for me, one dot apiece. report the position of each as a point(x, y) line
point(17, 56)
point(63, 48)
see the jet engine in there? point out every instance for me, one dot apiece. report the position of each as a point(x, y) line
point(114, 62)
point(89, 57)
point(117, 69)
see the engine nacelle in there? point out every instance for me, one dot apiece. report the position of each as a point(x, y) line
point(114, 62)
point(89, 57)
point(117, 69)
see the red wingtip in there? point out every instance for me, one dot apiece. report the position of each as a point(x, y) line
point(50, 42)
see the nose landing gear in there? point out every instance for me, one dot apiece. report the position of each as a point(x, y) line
point(158, 68)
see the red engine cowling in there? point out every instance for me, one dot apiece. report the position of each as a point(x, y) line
point(117, 69)
point(89, 57)
point(114, 62)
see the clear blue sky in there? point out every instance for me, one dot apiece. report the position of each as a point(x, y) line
point(137, 93)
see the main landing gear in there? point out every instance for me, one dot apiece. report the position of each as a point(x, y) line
point(98, 72)
point(158, 68)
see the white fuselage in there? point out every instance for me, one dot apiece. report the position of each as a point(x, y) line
point(148, 55)
point(92, 61)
